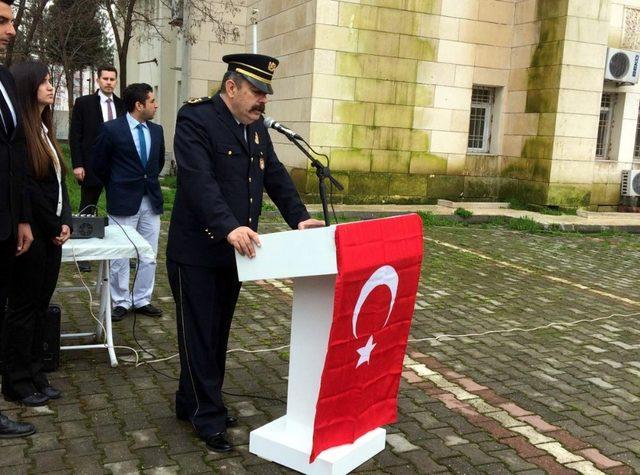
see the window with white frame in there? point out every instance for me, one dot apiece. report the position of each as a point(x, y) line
point(605, 125)
point(482, 101)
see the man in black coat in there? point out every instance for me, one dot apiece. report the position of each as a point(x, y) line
point(15, 231)
point(225, 160)
point(89, 112)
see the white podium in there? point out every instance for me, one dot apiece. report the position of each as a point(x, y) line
point(309, 257)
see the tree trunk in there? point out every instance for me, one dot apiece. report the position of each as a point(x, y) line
point(68, 77)
point(17, 21)
point(122, 59)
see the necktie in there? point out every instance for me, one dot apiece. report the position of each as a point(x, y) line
point(143, 145)
point(243, 130)
point(7, 118)
point(109, 110)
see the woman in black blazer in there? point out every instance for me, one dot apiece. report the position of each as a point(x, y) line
point(37, 270)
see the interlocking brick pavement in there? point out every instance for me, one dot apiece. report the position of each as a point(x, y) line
point(556, 400)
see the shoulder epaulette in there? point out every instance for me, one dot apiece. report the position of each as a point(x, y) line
point(198, 100)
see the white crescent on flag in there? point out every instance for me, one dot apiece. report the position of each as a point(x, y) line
point(387, 276)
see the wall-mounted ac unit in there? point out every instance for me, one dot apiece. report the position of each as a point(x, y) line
point(623, 66)
point(630, 184)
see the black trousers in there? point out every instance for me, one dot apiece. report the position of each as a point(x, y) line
point(89, 195)
point(7, 256)
point(34, 279)
point(205, 301)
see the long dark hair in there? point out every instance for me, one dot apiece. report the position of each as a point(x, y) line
point(29, 75)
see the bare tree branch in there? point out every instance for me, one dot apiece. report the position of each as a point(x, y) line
point(129, 18)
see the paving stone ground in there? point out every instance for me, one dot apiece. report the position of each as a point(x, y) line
point(555, 400)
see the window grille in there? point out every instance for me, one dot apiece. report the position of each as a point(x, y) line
point(636, 147)
point(605, 124)
point(482, 99)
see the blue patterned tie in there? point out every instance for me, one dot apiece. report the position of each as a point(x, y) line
point(143, 145)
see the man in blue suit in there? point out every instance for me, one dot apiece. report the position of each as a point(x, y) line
point(128, 158)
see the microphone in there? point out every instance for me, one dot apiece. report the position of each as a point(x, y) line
point(270, 122)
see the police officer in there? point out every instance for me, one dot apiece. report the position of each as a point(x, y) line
point(225, 160)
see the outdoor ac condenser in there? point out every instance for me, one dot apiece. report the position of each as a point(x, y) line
point(623, 66)
point(630, 184)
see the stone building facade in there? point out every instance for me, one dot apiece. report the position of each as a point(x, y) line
point(415, 100)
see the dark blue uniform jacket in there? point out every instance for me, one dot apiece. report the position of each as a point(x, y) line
point(221, 179)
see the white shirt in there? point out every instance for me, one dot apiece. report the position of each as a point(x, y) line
point(104, 105)
point(56, 166)
point(8, 101)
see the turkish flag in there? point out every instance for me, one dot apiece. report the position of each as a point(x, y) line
point(378, 271)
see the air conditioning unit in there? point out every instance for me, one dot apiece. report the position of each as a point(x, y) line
point(623, 66)
point(630, 184)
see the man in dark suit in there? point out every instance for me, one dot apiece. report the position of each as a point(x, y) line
point(225, 160)
point(15, 231)
point(89, 112)
point(128, 158)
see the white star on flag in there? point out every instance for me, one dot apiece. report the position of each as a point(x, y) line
point(365, 352)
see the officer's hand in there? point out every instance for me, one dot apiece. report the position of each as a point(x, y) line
point(78, 172)
point(310, 223)
point(243, 239)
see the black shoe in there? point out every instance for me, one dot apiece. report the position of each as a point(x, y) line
point(84, 266)
point(10, 429)
point(219, 443)
point(51, 392)
point(33, 399)
point(149, 310)
point(118, 313)
point(42, 384)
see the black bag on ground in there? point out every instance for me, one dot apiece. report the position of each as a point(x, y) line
point(51, 343)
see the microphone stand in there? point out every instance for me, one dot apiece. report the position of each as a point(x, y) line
point(322, 172)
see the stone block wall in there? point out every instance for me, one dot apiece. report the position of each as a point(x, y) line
point(287, 30)
point(372, 97)
point(383, 87)
point(391, 99)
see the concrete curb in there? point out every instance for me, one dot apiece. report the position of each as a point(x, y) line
point(557, 223)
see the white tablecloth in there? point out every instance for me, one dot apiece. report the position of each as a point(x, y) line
point(118, 243)
point(114, 245)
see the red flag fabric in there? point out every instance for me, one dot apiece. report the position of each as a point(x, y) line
point(378, 271)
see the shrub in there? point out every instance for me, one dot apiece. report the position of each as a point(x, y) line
point(463, 213)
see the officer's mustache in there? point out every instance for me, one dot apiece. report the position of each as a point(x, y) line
point(258, 108)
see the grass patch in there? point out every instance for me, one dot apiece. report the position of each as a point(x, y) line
point(430, 219)
point(268, 206)
point(168, 186)
point(170, 181)
point(515, 203)
point(463, 213)
point(525, 224)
